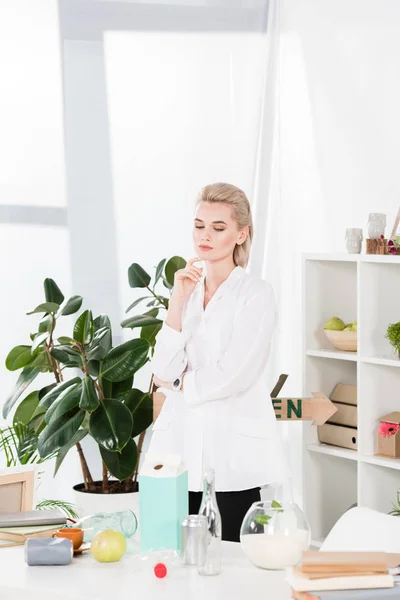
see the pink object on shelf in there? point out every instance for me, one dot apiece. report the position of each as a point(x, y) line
point(386, 429)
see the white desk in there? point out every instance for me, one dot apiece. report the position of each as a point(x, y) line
point(87, 579)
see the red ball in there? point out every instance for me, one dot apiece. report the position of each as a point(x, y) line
point(160, 570)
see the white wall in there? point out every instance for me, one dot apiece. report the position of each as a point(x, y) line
point(339, 144)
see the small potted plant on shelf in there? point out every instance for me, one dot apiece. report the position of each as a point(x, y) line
point(393, 335)
point(99, 399)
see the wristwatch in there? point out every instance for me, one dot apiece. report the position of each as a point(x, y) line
point(177, 384)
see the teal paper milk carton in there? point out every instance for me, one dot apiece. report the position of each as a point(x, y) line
point(163, 499)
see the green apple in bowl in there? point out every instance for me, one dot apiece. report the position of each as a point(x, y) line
point(354, 326)
point(334, 324)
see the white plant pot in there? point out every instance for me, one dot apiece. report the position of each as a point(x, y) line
point(89, 504)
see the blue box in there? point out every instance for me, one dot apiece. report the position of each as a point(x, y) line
point(164, 503)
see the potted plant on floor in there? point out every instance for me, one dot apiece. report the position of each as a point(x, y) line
point(99, 400)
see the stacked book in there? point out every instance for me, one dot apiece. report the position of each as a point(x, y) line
point(345, 576)
point(16, 527)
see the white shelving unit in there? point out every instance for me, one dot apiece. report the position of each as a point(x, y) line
point(366, 288)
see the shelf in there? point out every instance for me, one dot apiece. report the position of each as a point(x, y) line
point(380, 360)
point(381, 461)
point(365, 258)
point(333, 451)
point(337, 354)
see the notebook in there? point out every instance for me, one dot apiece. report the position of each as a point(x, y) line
point(31, 518)
point(301, 583)
point(377, 594)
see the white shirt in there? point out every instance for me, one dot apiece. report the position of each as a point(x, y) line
point(224, 419)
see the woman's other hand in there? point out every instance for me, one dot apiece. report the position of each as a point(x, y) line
point(186, 279)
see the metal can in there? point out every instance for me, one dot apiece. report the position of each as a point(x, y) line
point(48, 551)
point(194, 538)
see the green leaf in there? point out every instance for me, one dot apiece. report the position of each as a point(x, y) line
point(141, 407)
point(46, 307)
point(45, 324)
point(276, 505)
point(137, 276)
point(64, 340)
point(42, 362)
point(93, 367)
point(39, 339)
point(45, 390)
point(28, 409)
point(118, 390)
point(139, 321)
point(121, 464)
point(150, 332)
point(62, 453)
point(88, 400)
point(49, 397)
point(100, 345)
point(71, 306)
point(66, 401)
point(262, 519)
point(24, 380)
point(66, 355)
point(121, 389)
point(138, 301)
point(59, 432)
point(102, 321)
point(124, 360)
point(27, 446)
point(159, 270)
point(53, 292)
point(111, 425)
point(84, 328)
point(173, 265)
point(18, 357)
point(167, 285)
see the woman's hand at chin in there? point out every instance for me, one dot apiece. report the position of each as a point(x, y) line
point(185, 280)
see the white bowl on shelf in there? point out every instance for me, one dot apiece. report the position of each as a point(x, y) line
point(342, 340)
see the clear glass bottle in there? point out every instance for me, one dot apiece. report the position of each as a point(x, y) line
point(124, 521)
point(209, 557)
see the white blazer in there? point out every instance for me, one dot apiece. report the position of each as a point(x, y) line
point(224, 419)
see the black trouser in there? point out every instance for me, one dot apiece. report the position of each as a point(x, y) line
point(232, 505)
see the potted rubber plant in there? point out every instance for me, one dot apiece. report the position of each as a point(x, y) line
point(97, 398)
point(92, 395)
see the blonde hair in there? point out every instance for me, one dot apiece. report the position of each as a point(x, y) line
point(237, 199)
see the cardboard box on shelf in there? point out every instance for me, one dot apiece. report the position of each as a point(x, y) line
point(338, 435)
point(341, 429)
point(389, 445)
point(345, 393)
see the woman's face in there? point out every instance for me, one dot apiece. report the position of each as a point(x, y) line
point(215, 232)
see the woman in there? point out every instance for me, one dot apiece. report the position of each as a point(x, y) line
point(210, 357)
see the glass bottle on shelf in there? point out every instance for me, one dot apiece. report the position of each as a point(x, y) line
point(209, 558)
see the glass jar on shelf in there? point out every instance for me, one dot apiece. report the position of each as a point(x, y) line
point(353, 237)
point(376, 225)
